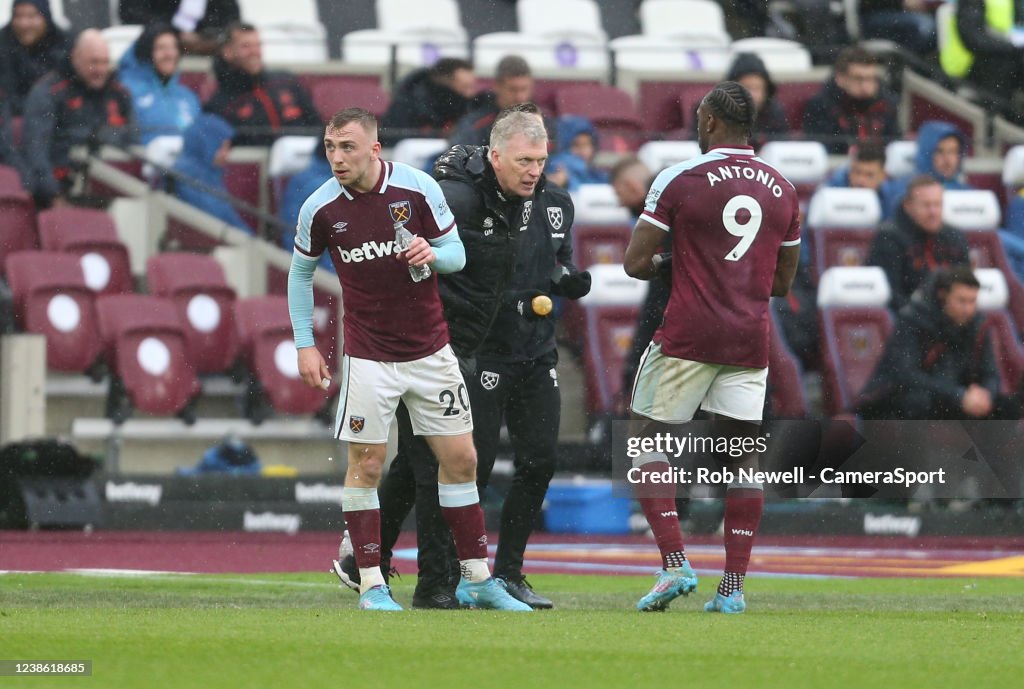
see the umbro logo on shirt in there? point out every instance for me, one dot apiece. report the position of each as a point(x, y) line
point(340, 227)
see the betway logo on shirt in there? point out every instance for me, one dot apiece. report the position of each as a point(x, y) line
point(368, 251)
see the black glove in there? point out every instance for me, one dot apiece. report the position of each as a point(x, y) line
point(663, 264)
point(573, 285)
point(522, 302)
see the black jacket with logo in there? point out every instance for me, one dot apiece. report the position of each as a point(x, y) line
point(513, 245)
point(262, 107)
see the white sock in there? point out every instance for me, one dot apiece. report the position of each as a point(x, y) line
point(457, 494)
point(475, 570)
point(369, 577)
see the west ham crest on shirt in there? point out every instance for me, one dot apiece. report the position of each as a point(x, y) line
point(527, 209)
point(489, 380)
point(401, 211)
point(356, 423)
point(555, 217)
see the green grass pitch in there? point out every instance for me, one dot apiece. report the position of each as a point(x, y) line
point(302, 630)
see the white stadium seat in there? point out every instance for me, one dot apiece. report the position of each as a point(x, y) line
point(974, 209)
point(561, 19)
point(778, 54)
point(994, 294)
point(900, 158)
point(839, 207)
point(416, 47)
point(642, 53)
point(1013, 168)
point(418, 151)
point(120, 38)
point(610, 286)
point(290, 155)
point(658, 155)
point(405, 15)
point(598, 204)
point(544, 54)
point(802, 162)
point(853, 286)
point(684, 19)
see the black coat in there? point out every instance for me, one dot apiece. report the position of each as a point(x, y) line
point(511, 245)
point(421, 107)
point(263, 107)
point(838, 120)
point(929, 354)
point(9, 155)
point(219, 13)
point(21, 68)
point(908, 254)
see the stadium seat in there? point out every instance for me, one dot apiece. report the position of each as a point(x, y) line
point(268, 347)
point(147, 352)
point(671, 55)
point(597, 204)
point(900, 158)
point(543, 53)
point(561, 20)
point(289, 155)
point(986, 251)
point(329, 98)
point(660, 103)
point(51, 298)
point(842, 223)
point(415, 47)
point(419, 152)
point(404, 15)
point(289, 31)
point(610, 109)
point(855, 325)
point(684, 19)
point(793, 96)
point(18, 229)
point(786, 399)
point(971, 210)
point(608, 318)
point(993, 298)
point(195, 283)
point(593, 244)
point(120, 38)
point(161, 154)
point(779, 55)
point(658, 155)
point(1013, 169)
point(91, 234)
point(804, 163)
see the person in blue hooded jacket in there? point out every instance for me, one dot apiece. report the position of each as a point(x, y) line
point(572, 165)
point(300, 187)
point(200, 168)
point(866, 170)
point(149, 70)
point(941, 147)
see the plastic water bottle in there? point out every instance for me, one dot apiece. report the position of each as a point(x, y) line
point(403, 238)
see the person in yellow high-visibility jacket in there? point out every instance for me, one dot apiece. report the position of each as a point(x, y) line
point(980, 45)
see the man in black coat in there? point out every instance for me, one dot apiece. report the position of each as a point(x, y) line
point(80, 104)
point(939, 362)
point(429, 101)
point(260, 105)
point(516, 231)
point(915, 241)
point(853, 105)
point(199, 21)
point(30, 46)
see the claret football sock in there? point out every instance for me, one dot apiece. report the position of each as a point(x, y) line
point(460, 505)
point(743, 507)
point(658, 502)
point(362, 516)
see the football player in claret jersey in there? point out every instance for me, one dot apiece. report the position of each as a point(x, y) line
point(735, 233)
point(396, 343)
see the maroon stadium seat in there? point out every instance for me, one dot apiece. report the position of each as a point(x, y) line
point(793, 96)
point(148, 351)
point(599, 244)
point(52, 299)
point(368, 94)
point(833, 247)
point(90, 234)
point(986, 251)
point(785, 386)
point(660, 103)
point(608, 341)
point(18, 228)
point(844, 222)
point(205, 304)
point(610, 109)
point(855, 326)
point(265, 332)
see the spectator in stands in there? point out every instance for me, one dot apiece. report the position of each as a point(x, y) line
point(429, 101)
point(200, 169)
point(749, 70)
point(904, 22)
point(631, 180)
point(30, 46)
point(199, 21)
point(939, 362)
point(9, 153)
point(915, 242)
point(866, 170)
point(79, 104)
point(260, 105)
point(573, 164)
point(149, 70)
point(853, 105)
point(513, 84)
point(300, 187)
point(980, 48)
